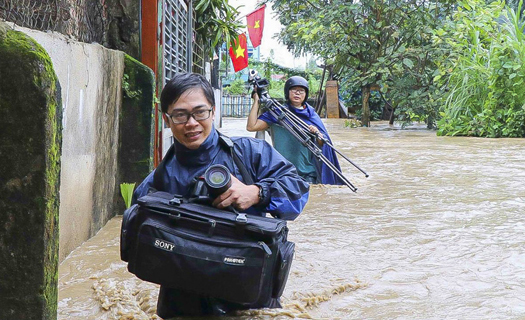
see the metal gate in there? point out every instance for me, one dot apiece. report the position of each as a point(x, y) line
point(177, 43)
point(177, 52)
point(236, 106)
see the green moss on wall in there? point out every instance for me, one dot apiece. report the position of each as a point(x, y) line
point(30, 145)
point(135, 158)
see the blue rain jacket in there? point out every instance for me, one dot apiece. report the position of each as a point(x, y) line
point(288, 196)
point(288, 192)
point(309, 116)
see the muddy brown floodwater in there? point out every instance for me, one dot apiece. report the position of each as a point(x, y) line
point(436, 232)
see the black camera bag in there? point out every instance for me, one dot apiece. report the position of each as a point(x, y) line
point(235, 257)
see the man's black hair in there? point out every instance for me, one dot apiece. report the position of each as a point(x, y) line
point(182, 82)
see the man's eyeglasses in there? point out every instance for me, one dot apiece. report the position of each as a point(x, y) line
point(300, 91)
point(179, 117)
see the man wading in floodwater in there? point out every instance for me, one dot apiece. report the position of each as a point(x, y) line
point(188, 106)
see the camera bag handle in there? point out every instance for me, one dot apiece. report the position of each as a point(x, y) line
point(225, 141)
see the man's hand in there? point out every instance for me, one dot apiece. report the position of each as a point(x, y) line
point(255, 96)
point(239, 195)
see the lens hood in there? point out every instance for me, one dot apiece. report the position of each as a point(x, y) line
point(218, 179)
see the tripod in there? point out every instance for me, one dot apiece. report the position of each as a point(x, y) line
point(300, 129)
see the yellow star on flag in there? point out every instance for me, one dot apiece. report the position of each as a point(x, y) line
point(257, 26)
point(239, 51)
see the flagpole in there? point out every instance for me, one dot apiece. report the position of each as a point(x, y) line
point(250, 13)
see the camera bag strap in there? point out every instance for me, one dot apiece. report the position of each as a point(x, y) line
point(225, 141)
point(238, 162)
point(161, 168)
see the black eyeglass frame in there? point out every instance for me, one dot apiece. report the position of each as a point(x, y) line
point(300, 90)
point(191, 114)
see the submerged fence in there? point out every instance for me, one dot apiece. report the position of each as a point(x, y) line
point(236, 106)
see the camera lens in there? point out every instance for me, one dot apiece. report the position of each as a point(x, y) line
point(217, 178)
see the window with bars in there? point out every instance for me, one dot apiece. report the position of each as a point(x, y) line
point(175, 38)
point(181, 52)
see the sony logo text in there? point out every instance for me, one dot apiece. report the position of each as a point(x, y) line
point(164, 245)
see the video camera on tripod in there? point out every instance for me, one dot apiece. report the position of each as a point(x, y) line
point(259, 84)
point(297, 127)
point(256, 80)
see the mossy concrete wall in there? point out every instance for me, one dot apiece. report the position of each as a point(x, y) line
point(91, 80)
point(68, 138)
point(136, 125)
point(95, 108)
point(30, 142)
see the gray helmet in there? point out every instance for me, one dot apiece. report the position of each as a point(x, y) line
point(294, 82)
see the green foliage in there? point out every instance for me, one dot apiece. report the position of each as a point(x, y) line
point(482, 70)
point(375, 103)
point(126, 190)
point(276, 89)
point(313, 83)
point(351, 94)
point(268, 67)
point(237, 87)
point(370, 42)
point(511, 4)
point(127, 88)
point(215, 21)
point(352, 123)
point(268, 70)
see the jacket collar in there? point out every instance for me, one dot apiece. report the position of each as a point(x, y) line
point(202, 155)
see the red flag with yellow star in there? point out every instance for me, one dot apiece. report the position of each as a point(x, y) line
point(255, 23)
point(239, 53)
